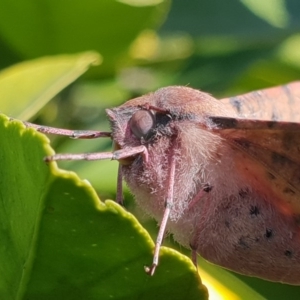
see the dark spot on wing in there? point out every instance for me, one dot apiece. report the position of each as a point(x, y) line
point(271, 176)
point(288, 140)
point(243, 192)
point(243, 243)
point(207, 188)
point(279, 159)
point(269, 233)
point(297, 219)
point(236, 103)
point(288, 253)
point(243, 142)
point(271, 124)
point(224, 122)
point(289, 191)
point(254, 210)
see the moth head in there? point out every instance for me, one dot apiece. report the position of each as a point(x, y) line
point(138, 125)
point(153, 119)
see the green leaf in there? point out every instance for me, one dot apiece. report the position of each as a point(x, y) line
point(273, 12)
point(38, 81)
point(248, 20)
point(59, 241)
point(35, 28)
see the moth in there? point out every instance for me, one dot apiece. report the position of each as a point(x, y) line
point(223, 176)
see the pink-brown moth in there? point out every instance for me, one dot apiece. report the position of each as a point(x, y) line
point(222, 175)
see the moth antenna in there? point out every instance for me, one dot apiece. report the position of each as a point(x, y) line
point(169, 204)
point(114, 155)
point(75, 134)
point(119, 197)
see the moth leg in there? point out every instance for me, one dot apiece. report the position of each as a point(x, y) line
point(194, 255)
point(196, 199)
point(119, 198)
point(162, 228)
point(75, 134)
point(205, 190)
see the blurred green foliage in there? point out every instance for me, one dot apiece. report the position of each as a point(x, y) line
point(222, 47)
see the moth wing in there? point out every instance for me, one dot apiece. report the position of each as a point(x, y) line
point(270, 151)
point(281, 103)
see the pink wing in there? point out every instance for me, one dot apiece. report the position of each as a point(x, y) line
point(273, 146)
point(280, 103)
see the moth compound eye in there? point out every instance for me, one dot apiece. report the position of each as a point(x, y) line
point(141, 123)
